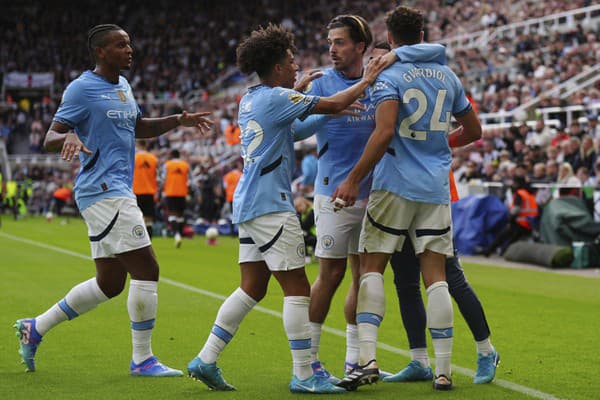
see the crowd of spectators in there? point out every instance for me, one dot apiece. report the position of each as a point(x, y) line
point(188, 52)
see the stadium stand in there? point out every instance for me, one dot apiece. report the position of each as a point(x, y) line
point(531, 68)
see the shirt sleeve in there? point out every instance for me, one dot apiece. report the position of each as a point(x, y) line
point(72, 109)
point(287, 105)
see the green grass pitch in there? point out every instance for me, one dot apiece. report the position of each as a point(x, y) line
point(546, 327)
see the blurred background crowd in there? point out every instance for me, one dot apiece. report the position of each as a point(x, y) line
point(531, 75)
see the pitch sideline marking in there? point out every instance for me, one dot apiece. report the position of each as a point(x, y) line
point(465, 371)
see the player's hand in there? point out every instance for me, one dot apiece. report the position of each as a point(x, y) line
point(453, 136)
point(198, 120)
point(373, 68)
point(344, 195)
point(388, 59)
point(307, 78)
point(72, 146)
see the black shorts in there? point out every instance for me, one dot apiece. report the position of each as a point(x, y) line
point(176, 204)
point(146, 204)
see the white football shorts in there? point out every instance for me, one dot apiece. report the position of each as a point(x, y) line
point(338, 232)
point(390, 218)
point(275, 238)
point(115, 225)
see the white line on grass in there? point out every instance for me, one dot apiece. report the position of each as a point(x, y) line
point(465, 371)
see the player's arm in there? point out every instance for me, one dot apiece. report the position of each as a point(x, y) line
point(60, 137)
point(385, 123)
point(468, 132)
point(306, 128)
point(341, 100)
point(153, 127)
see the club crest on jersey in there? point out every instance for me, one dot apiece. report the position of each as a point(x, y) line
point(122, 95)
point(138, 231)
point(327, 242)
point(300, 250)
point(295, 97)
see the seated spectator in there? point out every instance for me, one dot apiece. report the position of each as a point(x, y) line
point(540, 136)
point(586, 156)
point(552, 171)
point(583, 174)
point(566, 175)
point(539, 173)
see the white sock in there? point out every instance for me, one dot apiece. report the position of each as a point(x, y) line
point(230, 315)
point(315, 340)
point(420, 355)
point(80, 299)
point(297, 329)
point(440, 319)
point(352, 346)
point(370, 310)
point(484, 347)
point(142, 303)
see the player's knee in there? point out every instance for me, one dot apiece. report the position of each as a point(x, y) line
point(112, 289)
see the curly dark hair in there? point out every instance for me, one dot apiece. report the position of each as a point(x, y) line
point(357, 26)
point(405, 25)
point(263, 49)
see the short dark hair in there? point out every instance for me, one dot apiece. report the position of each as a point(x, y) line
point(382, 45)
point(175, 153)
point(98, 35)
point(264, 48)
point(357, 26)
point(405, 25)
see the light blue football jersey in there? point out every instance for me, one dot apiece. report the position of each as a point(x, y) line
point(265, 117)
point(103, 115)
point(416, 166)
point(341, 141)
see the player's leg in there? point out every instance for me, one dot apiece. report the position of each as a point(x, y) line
point(142, 304)
point(352, 344)
point(338, 234)
point(79, 300)
point(432, 238)
point(126, 239)
point(176, 208)
point(254, 281)
point(284, 253)
point(109, 282)
point(407, 280)
point(472, 311)
point(382, 233)
point(331, 273)
point(146, 204)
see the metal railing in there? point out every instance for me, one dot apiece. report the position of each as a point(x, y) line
point(587, 16)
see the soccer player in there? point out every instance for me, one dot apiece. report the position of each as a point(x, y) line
point(340, 143)
point(175, 188)
point(409, 150)
point(145, 185)
point(99, 106)
point(271, 241)
point(405, 265)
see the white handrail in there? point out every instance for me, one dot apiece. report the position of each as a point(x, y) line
point(482, 38)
